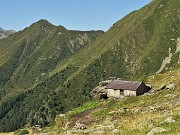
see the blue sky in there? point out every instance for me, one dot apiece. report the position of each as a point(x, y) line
point(72, 14)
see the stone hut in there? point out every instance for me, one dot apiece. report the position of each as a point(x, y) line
point(120, 88)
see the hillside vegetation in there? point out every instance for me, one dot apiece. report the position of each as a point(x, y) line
point(47, 70)
point(131, 115)
point(26, 59)
point(156, 111)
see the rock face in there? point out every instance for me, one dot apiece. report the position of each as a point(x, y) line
point(5, 33)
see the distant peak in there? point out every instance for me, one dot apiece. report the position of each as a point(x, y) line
point(62, 27)
point(40, 23)
point(43, 21)
point(5, 33)
point(1, 28)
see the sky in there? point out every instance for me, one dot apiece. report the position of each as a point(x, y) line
point(72, 14)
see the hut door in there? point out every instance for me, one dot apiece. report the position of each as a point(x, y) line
point(122, 92)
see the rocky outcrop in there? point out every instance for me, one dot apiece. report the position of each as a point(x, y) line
point(5, 33)
point(168, 120)
point(80, 126)
point(156, 130)
point(97, 92)
point(100, 92)
point(171, 86)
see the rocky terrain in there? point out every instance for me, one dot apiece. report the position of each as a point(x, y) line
point(5, 33)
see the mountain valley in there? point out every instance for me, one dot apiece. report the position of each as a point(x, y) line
point(48, 70)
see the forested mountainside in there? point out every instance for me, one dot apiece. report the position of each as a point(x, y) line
point(28, 56)
point(46, 70)
point(155, 112)
point(26, 60)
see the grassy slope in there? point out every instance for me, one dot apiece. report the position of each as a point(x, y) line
point(143, 113)
point(144, 27)
point(127, 49)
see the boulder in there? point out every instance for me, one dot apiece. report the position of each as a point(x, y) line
point(171, 86)
point(80, 126)
point(168, 120)
point(98, 92)
point(152, 109)
point(161, 87)
point(62, 115)
point(156, 130)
